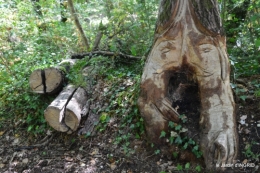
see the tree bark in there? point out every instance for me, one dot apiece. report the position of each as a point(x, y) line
point(64, 113)
point(189, 40)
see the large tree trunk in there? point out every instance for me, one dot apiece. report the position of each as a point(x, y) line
point(189, 42)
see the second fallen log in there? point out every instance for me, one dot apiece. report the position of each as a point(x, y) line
point(64, 113)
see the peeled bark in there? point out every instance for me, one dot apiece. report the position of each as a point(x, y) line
point(64, 113)
point(189, 40)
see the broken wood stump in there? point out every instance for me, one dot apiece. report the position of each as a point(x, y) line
point(50, 80)
point(65, 112)
point(91, 121)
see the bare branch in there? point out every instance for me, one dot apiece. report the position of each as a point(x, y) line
point(77, 23)
point(104, 53)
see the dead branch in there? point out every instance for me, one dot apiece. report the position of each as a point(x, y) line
point(97, 40)
point(77, 23)
point(104, 53)
point(44, 143)
point(19, 148)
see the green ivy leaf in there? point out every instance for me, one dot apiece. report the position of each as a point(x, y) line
point(196, 147)
point(171, 124)
point(179, 167)
point(191, 142)
point(133, 50)
point(171, 140)
point(257, 43)
point(132, 126)
point(157, 151)
point(178, 127)
point(178, 140)
point(185, 146)
point(187, 166)
point(103, 117)
point(243, 97)
point(175, 154)
point(163, 134)
point(30, 128)
point(198, 168)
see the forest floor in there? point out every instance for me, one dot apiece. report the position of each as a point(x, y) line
point(59, 152)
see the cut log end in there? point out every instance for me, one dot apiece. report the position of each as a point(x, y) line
point(70, 123)
point(64, 113)
point(72, 120)
point(49, 80)
point(51, 115)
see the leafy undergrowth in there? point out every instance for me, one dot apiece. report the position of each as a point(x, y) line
point(32, 41)
point(27, 42)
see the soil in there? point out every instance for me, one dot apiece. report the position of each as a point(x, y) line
point(23, 152)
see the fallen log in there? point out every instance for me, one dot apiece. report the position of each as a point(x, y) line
point(50, 80)
point(65, 112)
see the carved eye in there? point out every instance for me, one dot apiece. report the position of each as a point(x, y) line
point(165, 50)
point(206, 50)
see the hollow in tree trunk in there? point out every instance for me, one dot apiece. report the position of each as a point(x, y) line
point(189, 40)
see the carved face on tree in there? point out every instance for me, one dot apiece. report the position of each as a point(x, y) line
point(183, 42)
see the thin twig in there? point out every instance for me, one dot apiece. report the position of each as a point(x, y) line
point(148, 157)
point(257, 133)
point(44, 143)
point(34, 146)
point(12, 158)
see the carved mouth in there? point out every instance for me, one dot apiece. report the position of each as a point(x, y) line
point(183, 91)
